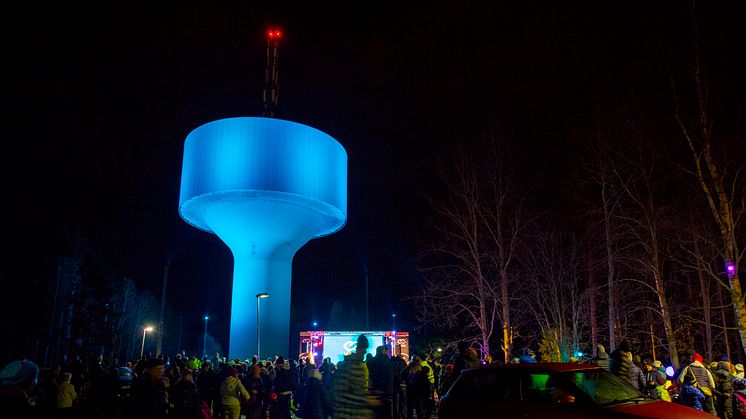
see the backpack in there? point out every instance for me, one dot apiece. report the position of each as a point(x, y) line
point(707, 391)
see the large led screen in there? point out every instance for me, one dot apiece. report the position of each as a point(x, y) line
point(337, 346)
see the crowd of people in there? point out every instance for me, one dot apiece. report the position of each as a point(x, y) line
point(716, 387)
point(190, 387)
point(361, 385)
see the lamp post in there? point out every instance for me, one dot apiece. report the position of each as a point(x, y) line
point(144, 331)
point(204, 343)
point(393, 322)
point(258, 297)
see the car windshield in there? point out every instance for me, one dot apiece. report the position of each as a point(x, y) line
point(603, 387)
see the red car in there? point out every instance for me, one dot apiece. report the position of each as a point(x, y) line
point(551, 390)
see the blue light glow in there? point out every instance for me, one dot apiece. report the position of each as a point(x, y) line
point(266, 187)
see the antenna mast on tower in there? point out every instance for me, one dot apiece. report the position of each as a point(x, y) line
point(271, 85)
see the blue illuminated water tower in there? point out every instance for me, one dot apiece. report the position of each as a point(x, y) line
point(266, 187)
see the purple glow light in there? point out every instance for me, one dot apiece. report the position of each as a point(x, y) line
point(730, 268)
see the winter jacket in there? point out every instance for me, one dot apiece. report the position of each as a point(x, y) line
point(430, 369)
point(465, 360)
point(66, 395)
point(724, 398)
point(637, 377)
point(602, 360)
point(621, 365)
point(703, 375)
point(186, 401)
point(350, 388)
point(147, 399)
point(231, 392)
point(207, 382)
point(314, 403)
point(691, 396)
point(418, 386)
point(256, 389)
point(381, 375)
point(284, 380)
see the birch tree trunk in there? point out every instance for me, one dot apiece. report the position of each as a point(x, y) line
point(697, 132)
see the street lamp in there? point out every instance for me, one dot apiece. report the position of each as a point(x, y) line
point(393, 322)
point(314, 325)
point(258, 297)
point(144, 331)
point(204, 343)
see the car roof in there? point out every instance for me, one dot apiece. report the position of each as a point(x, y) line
point(540, 367)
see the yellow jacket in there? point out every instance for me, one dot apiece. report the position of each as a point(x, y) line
point(66, 395)
point(231, 391)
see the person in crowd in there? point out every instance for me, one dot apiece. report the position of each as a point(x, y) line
point(447, 380)
point(651, 379)
point(690, 395)
point(207, 381)
point(284, 386)
point(602, 358)
point(702, 379)
point(178, 360)
point(48, 382)
point(739, 371)
point(660, 392)
point(350, 385)
point(185, 398)
point(438, 368)
point(399, 387)
point(466, 358)
point(148, 398)
point(76, 367)
point(382, 382)
point(19, 394)
point(66, 397)
point(314, 402)
point(426, 361)
point(256, 388)
point(725, 364)
point(418, 387)
point(621, 365)
point(723, 393)
point(232, 393)
point(326, 366)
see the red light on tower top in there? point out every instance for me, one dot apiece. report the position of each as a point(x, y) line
point(274, 34)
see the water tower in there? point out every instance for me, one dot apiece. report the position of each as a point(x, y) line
point(266, 187)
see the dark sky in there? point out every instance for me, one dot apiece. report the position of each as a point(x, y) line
point(99, 101)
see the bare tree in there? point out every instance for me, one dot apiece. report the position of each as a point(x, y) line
point(638, 175)
point(459, 290)
point(468, 271)
point(598, 175)
point(136, 309)
point(717, 174)
point(555, 294)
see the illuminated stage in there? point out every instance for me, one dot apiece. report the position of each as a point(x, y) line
point(336, 344)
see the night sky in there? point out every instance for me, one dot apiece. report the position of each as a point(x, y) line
point(98, 102)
